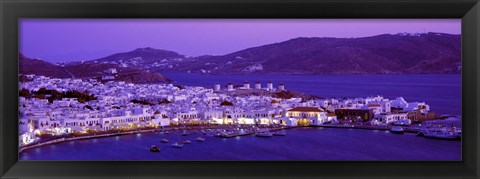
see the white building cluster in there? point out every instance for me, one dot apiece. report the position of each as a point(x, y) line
point(166, 104)
point(246, 85)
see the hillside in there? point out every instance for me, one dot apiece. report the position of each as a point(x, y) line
point(88, 70)
point(400, 53)
point(34, 66)
point(145, 58)
point(381, 54)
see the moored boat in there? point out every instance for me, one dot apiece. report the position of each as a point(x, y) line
point(458, 131)
point(164, 141)
point(154, 148)
point(200, 139)
point(264, 134)
point(224, 134)
point(177, 145)
point(403, 122)
point(397, 130)
point(441, 133)
point(186, 141)
point(280, 133)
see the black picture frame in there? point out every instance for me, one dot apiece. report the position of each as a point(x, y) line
point(12, 10)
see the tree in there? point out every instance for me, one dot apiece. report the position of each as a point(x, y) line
point(141, 102)
point(40, 96)
point(25, 93)
point(42, 90)
point(81, 97)
point(226, 103)
point(55, 96)
point(164, 101)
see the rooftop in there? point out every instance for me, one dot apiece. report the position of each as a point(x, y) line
point(306, 109)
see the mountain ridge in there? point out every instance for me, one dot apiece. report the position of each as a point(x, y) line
point(381, 54)
point(426, 53)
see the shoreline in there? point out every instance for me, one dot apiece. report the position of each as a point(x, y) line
point(64, 139)
point(170, 128)
point(407, 129)
point(367, 127)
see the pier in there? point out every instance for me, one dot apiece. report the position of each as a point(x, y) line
point(366, 127)
point(235, 134)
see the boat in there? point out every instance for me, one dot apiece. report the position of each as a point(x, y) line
point(186, 141)
point(184, 133)
point(154, 148)
point(164, 141)
point(441, 133)
point(177, 145)
point(280, 133)
point(397, 130)
point(264, 134)
point(200, 139)
point(166, 132)
point(403, 122)
point(224, 134)
point(459, 132)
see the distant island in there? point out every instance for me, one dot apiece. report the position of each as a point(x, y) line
point(420, 53)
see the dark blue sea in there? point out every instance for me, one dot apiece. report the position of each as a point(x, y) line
point(310, 143)
point(442, 92)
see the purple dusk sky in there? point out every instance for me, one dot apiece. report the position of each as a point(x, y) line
point(88, 39)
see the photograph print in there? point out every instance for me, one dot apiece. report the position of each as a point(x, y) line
point(240, 89)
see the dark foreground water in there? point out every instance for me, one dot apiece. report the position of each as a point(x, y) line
point(299, 144)
point(441, 91)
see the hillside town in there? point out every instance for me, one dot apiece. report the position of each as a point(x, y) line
point(54, 106)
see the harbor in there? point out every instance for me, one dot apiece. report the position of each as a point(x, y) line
point(449, 128)
point(304, 143)
point(236, 131)
point(214, 130)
